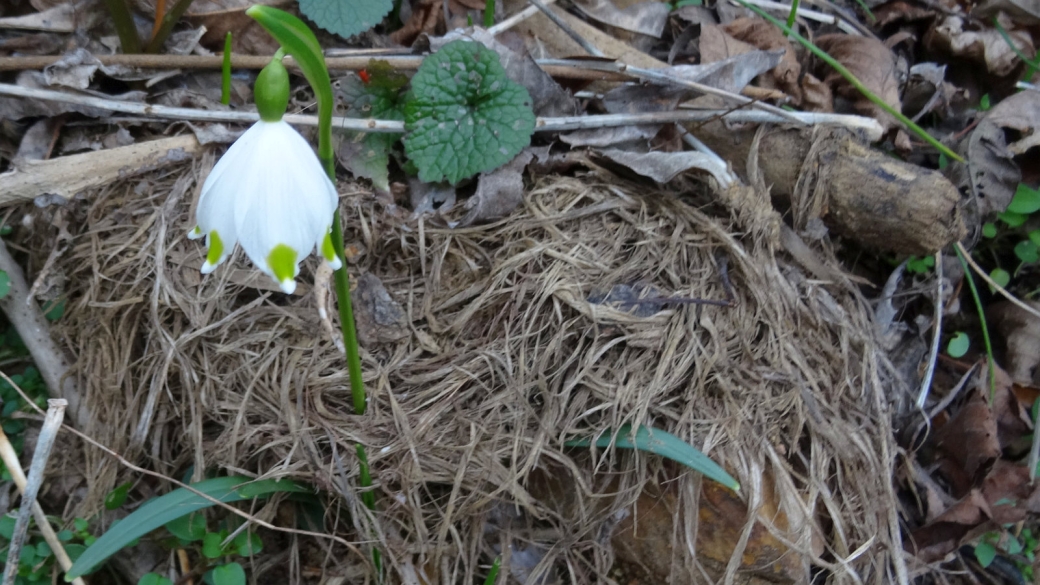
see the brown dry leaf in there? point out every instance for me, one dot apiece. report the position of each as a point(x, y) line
point(763, 35)
point(986, 47)
point(873, 64)
point(969, 444)
point(1020, 331)
point(427, 18)
point(39, 140)
point(380, 319)
point(65, 17)
point(935, 540)
point(12, 108)
point(990, 173)
point(1011, 495)
point(647, 18)
point(499, 192)
point(1025, 12)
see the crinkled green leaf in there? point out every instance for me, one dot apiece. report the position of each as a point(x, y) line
point(464, 116)
point(346, 17)
point(164, 509)
point(664, 444)
point(367, 154)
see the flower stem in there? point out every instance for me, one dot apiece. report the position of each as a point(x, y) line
point(225, 72)
point(124, 23)
point(346, 319)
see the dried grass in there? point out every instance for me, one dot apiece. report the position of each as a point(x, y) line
point(506, 360)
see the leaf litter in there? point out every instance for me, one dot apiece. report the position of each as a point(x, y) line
point(486, 346)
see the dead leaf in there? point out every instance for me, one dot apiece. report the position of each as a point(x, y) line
point(935, 540)
point(873, 64)
point(601, 137)
point(39, 139)
point(1025, 12)
point(696, 14)
point(12, 108)
point(969, 444)
point(1020, 332)
point(647, 18)
point(1012, 497)
point(430, 197)
point(499, 192)
point(380, 319)
point(665, 166)
point(62, 18)
point(74, 69)
point(990, 173)
point(985, 47)
point(43, 43)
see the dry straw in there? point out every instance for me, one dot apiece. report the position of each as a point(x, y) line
point(504, 359)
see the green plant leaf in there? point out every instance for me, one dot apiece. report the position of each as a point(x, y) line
point(920, 265)
point(117, 497)
point(54, 310)
point(176, 504)
point(366, 154)
point(989, 230)
point(189, 528)
point(1012, 219)
point(493, 573)
point(229, 574)
point(1025, 201)
point(1027, 251)
point(660, 443)
point(346, 17)
point(984, 102)
point(1013, 546)
point(5, 284)
point(1001, 277)
point(211, 548)
point(153, 579)
point(463, 115)
point(7, 526)
point(985, 553)
point(958, 345)
point(43, 550)
point(248, 544)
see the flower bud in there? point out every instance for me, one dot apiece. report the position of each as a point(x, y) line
point(271, 91)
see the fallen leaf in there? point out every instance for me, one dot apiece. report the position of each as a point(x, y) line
point(986, 47)
point(380, 319)
point(430, 197)
point(935, 540)
point(601, 137)
point(12, 108)
point(1012, 497)
point(1020, 332)
point(990, 173)
point(1025, 12)
point(62, 18)
point(665, 166)
point(762, 35)
point(39, 139)
point(968, 443)
point(74, 69)
point(873, 64)
point(499, 192)
point(647, 18)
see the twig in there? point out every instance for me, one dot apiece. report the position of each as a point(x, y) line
point(953, 393)
point(728, 179)
point(573, 34)
point(807, 14)
point(926, 382)
point(32, 327)
point(123, 461)
point(517, 18)
point(869, 125)
point(1001, 290)
point(44, 444)
point(10, 459)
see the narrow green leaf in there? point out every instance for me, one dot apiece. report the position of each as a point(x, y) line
point(664, 444)
point(464, 115)
point(493, 573)
point(171, 506)
point(225, 72)
point(958, 345)
point(5, 284)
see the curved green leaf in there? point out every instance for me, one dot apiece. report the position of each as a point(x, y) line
point(173, 505)
point(664, 444)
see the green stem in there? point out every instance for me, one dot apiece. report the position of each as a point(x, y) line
point(124, 23)
point(489, 14)
point(854, 81)
point(368, 498)
point(982, 321)
point(792, 15)
point(225, 72)
point(169, 21)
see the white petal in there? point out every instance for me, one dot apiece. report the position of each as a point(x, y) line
point(290, 200)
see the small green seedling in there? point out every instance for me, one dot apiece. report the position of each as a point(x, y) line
point(958, 345)
point(920, 265)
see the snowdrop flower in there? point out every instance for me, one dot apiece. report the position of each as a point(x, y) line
point(268, 193)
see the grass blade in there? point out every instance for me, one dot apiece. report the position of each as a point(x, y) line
point(664, 444)
point(178, 503)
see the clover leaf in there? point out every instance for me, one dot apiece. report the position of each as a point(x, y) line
point(346, 17)
point(463, 115)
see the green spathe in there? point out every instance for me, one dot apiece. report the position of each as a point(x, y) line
point(271, 91)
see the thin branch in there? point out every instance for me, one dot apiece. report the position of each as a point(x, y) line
point(1001, 290)
point(933, 356)
point(870, 126)
point(573, 34)
point(10, 459)
point(44, 444)
point(517, 18)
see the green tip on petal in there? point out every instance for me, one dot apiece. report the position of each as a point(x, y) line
point(195, 233)
point(282, 261)
point(215, 253)
point(329, 253)
point(271, 91)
